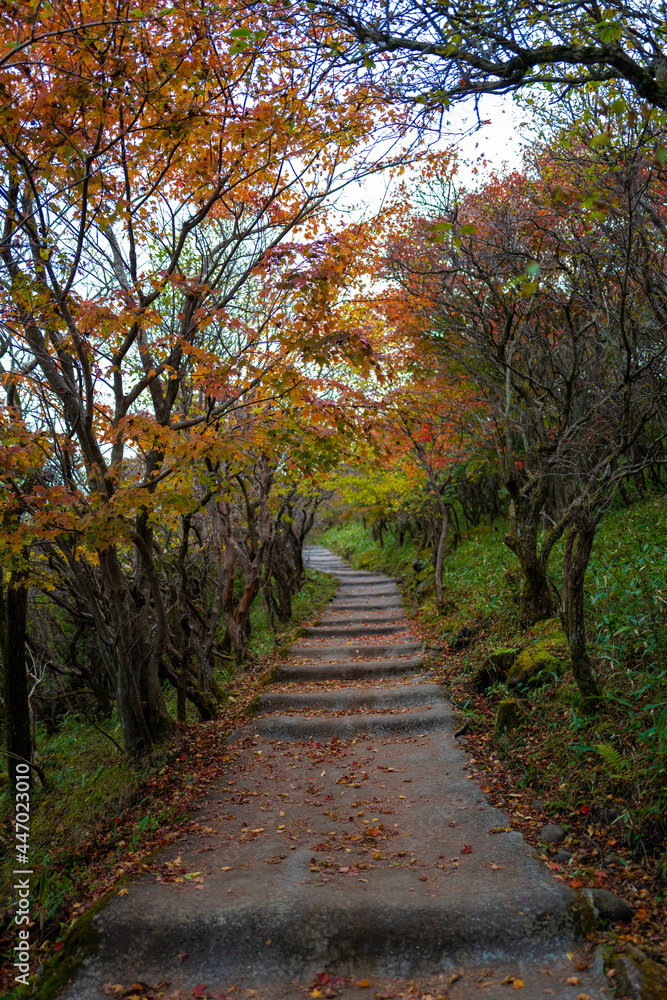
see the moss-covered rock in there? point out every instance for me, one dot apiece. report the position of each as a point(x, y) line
point(508, 716)
point(635, 974)
point(538, 659)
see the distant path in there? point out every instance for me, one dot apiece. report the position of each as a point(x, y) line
point(349, 840)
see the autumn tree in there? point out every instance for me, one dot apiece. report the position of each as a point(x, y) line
point(435, 54)
point(153, 161)
point(553, 309)
point(432, 429)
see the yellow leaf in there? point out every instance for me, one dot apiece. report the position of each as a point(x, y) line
point(517, 984)
point(363, 983)
point(123, 892)
point(227, 868)
point(317, 993)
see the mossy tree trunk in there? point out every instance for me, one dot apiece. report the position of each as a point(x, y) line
point(522, 538)
point(578, 549)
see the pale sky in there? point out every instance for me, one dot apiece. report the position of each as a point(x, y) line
point(497, 144)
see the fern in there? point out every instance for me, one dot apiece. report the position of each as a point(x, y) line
point(610, 755)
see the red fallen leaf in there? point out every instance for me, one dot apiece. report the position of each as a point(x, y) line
point(59, 945)
point(576, 883)
point(199, 990)
point(584, 810)
point(466, 849)
point(183, 955)
point(322, 978)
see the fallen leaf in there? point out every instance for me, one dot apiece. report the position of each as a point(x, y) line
point(199, 990)
point(183, 955)
point(316, 993)
point(364, 983)
point(227, 868)
point(496, 868)
point(466, 849)
point(573, 981)
point(124, 892)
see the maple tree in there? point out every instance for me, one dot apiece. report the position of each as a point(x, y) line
point(154, 161)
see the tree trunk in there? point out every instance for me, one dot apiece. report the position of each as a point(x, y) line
point(183, 679)
point(141, 708)
point(440, 554)
point(574, 605)
point(15, 680)
point(535, 601)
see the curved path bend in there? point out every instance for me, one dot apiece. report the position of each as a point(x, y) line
point(349, 842)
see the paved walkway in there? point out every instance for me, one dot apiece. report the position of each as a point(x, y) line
point(347, 842)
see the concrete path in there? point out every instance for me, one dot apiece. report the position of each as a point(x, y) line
point(347, 843)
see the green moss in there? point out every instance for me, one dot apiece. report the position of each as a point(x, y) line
point(582, 914)
point(254, 706)
point(551, 629)
point(653, 975)
point(508, 716)
point(80, 941)
point(534, 661)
